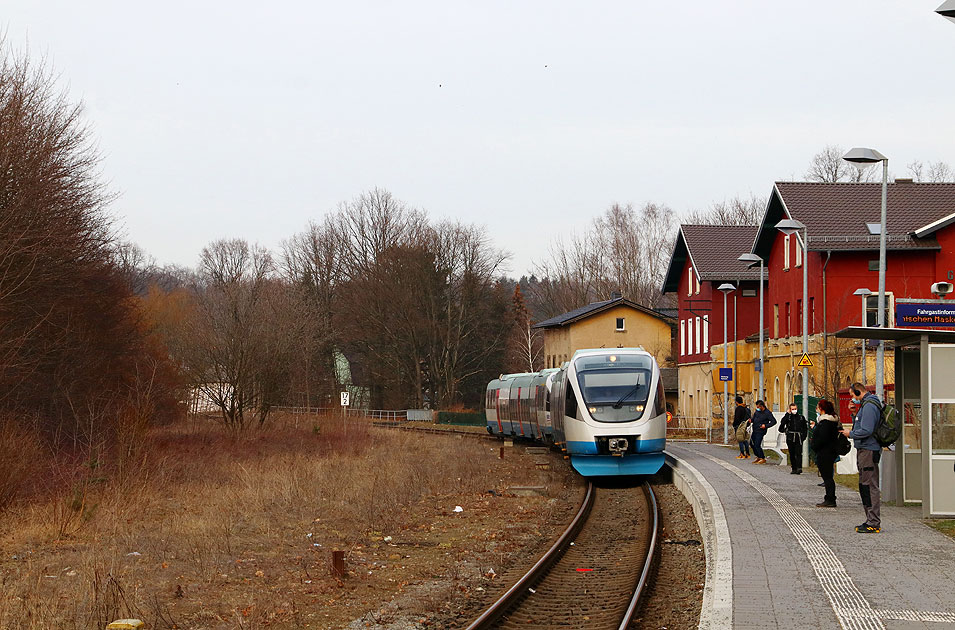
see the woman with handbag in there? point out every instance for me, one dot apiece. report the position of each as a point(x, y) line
point(826, 442)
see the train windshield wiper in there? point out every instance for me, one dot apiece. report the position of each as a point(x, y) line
point(632, 391)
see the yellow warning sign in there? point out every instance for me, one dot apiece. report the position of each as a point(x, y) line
point(805, 361)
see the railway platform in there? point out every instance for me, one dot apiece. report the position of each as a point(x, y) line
point(774, 560)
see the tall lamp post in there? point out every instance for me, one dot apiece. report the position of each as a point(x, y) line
point(789, 227)
point(864, 293)
point(947, 9)
point(753, 259)
point(726, 288)
point(871, 156)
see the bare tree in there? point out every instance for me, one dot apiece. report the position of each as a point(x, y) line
point(933, 172)
point(239, 341)
point(828, 167)
point(735, 211)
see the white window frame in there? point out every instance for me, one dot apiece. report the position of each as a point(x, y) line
point(786, 252)
point(706, 334)
point(699, 329)
point(682, 337)
point(689, 281)
point(798, 253)
point(697, 280)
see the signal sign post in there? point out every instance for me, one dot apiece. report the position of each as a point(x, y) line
point(345, 401)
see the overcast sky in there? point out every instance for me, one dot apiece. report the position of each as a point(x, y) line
point(242, 119)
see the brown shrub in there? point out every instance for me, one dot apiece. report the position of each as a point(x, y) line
point(21, 453)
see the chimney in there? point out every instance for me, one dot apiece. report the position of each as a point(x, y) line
point(616, 295)
point(903, 180)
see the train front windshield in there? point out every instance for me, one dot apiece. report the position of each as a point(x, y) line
point(614, 382)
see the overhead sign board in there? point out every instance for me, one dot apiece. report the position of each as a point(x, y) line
point(726, 374)
point(345, 399)
point(924, 315)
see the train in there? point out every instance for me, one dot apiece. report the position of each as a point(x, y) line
point(605, 408)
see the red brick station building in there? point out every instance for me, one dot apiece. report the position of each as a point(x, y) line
point(842, 223)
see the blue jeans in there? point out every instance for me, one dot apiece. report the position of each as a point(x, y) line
point(757, 441)
point(744, 448)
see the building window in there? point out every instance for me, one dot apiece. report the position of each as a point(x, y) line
point(749, 292)
point(798, 253)
point(786, 252)
point(789, 322)
point(697, 280)
point(872, 310)
point(689, 281)
point(620, 323)
point(706, 334)
point(874, 265)
point(682, 337)
point(775, 321)
point(699, 346)
point(798, 325)
point(812, 315)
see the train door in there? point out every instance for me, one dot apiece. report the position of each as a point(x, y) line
point(502, 408)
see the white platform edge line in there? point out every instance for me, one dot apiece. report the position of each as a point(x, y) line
point(717, 611)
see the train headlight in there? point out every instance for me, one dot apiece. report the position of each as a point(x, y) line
point(613, 358)
point(638, 409)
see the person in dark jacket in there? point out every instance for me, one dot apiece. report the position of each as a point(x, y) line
point(868, 454)
point(740, 419)
point(796, 429)
point(825, 440)
point(762, 420)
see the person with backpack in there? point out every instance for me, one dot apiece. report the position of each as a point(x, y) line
point(762, 420)
point(828, 441)
point(868, 454)
point(741, 419)
point(796, 429)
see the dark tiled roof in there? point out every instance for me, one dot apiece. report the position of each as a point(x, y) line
point(672, 313)
point(714, 250)
point(593, 308)
point(836, 214)
point(670, 378)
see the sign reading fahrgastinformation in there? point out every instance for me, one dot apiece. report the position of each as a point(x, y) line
point(924, 315)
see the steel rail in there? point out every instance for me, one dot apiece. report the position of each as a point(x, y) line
point(519, 590)
point(651, 558)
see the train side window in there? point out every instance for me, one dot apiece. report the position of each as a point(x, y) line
point(570, 407)
point(659, 406)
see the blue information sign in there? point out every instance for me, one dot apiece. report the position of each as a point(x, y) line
point(726, 374)
point(924, 315)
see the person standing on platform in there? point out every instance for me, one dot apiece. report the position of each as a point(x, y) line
point(741, 419)
point(868, 454)
point(762, 420)
point(825, 442)
point(794, 426)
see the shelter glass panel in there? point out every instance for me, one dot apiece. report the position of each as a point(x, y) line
point(943, 428)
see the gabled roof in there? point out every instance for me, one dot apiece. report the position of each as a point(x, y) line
point(713, 250)
point(593, 308)
point(836, 214)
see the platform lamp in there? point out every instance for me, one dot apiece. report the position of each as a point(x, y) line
point(753, 260)
point(789, 227)
point(726, 288)
point(864, 293)
point(947, 10)
point(871, 156)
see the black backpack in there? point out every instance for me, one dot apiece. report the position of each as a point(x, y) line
point(843, 446)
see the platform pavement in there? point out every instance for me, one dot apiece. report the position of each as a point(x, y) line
point(798, 566)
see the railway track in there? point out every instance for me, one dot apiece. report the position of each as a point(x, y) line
point(594, 575)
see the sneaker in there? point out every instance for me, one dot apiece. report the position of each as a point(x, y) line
point(799, 471)
point(868, 529)
point(822, 484)
point(795, 472)
point(827, 504)
point(740, 456)
point(760, 461)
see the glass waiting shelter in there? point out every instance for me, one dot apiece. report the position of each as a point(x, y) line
point(921, 468)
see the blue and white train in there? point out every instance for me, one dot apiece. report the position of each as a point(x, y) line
point(605, 408)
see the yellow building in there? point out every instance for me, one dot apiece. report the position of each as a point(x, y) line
point(613, 323)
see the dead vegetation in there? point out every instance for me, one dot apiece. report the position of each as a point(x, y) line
point(214, 531)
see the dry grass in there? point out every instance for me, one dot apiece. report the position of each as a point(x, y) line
point(214, 532)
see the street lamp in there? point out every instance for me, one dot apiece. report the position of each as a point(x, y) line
point(871, 156)
point(789, 227)
point(864, 293)
point(726, 288)
point(947, 10)
point(753, 259)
